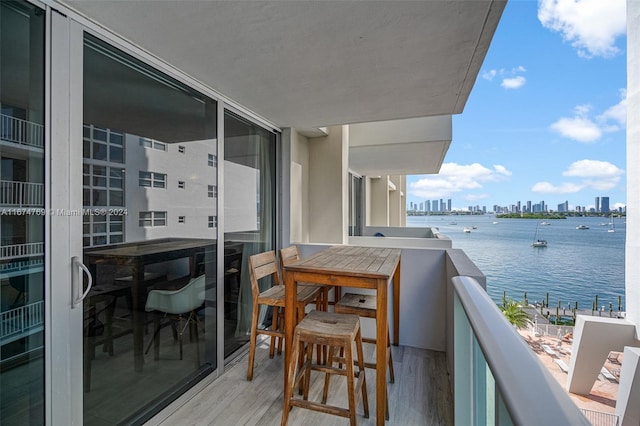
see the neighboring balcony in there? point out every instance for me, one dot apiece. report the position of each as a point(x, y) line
point(21, 322)
point(459, 362)
point(14, 251)
point(21, 194)
point(21, 132)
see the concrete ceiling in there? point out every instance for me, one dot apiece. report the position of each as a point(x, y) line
point(307, 64)
point(399, 147)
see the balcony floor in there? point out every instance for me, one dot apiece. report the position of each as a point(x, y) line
point(421, 394)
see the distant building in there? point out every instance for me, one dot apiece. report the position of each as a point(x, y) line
point(604, 205)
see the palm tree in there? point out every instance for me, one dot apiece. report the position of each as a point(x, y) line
point(514, 313)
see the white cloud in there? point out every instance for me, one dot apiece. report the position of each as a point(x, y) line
point(511, 79)
point(598, 175)
point(513, 83)
point(501, 170)
point(582, 128)
point(617, 206)
point(593, 169)
point(578, 128)
point(489, 75)
point(618, 112)
point(592, 174)
point(549, 188)
point(591, 26)
point(454, 178)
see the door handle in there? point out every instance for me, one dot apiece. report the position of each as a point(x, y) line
point(76, 281)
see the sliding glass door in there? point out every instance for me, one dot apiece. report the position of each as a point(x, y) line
point(22, 206)
point(110, 304)
point(249, 227)
point(149, 236)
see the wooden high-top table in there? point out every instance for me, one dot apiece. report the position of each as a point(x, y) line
point(351, 266)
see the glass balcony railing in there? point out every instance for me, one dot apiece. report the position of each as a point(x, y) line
point(497, 378)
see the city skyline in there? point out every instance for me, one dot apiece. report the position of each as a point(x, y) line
point(602, 204)
point(546, 118)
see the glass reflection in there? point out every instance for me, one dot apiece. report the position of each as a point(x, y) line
point(150, 319)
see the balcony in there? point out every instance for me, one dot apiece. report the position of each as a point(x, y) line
point(21, 322)
point(21, 132)
point(21, 194)
point(458, 359)
point(15, 251)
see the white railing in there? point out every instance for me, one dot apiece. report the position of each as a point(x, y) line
point(21, 131)
point(598, 418)
point(558, 331)
point(21, 194)
point(19, 322)
point(21, 250)
point(23, 265)
point(496, 375)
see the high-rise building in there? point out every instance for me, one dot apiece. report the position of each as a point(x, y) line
point(597, 205)
point(604, 205)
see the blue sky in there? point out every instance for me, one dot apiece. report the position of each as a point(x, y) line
point(546, 118)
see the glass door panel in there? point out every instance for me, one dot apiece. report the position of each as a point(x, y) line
point(250, 198)
point(149, 229)
point(22, 204)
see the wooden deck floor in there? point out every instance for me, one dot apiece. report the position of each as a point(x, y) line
point(421, 394)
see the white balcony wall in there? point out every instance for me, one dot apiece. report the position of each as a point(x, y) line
point(397, 203)
point(299, 185)
point(318, 187)
point(328, 187)
point(377, 201)
point(425, 294)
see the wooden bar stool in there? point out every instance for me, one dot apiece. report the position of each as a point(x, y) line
point(261, 266)
point(338, 331)
point(364, 305)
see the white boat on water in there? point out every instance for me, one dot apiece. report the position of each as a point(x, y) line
point(537, 242)
point(582, 227)
point(545, 223)
point(466, 230)
point(613, 226)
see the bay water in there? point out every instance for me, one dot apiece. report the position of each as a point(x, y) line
point(577, 264)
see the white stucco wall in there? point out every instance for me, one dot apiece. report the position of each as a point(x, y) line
point(378, 201)
point(328, 173)
point(423, 297)
point(299, 189)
